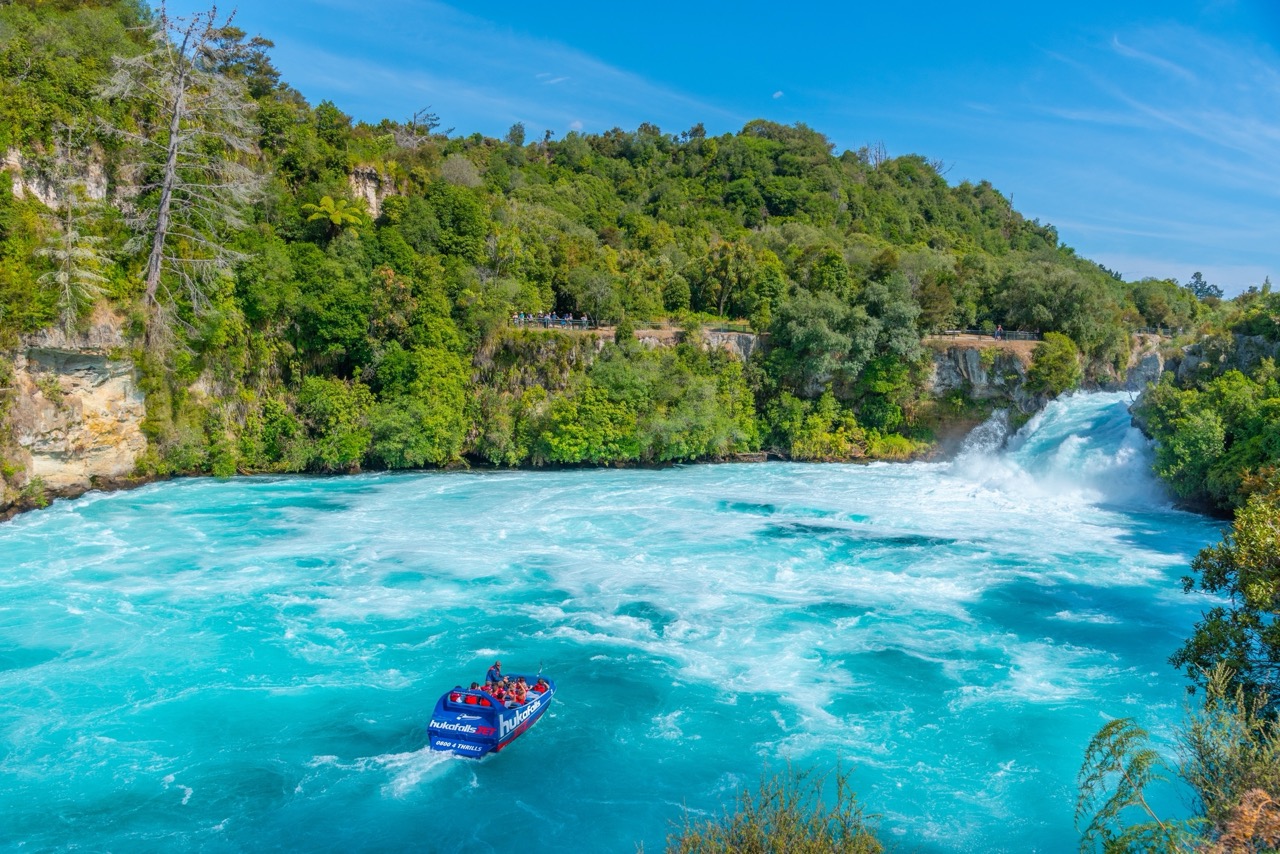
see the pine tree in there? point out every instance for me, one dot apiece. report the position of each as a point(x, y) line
point(77, 256)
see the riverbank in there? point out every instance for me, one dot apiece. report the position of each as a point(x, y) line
point(76, 418)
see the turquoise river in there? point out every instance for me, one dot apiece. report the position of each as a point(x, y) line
point(249, 664)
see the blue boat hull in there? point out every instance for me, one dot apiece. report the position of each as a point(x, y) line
point(462, 724)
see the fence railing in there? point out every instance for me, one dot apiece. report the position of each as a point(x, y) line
point(552, 322)
point(744, 326)
point(998, 335)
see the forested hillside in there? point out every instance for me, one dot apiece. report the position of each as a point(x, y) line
point(285, 323)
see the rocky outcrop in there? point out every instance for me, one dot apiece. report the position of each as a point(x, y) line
point(1146, 364)
point(30, 179)
point(75, 410)
point(1212, 356)
point(369, 184)
point(741, 344)
point(983, 373)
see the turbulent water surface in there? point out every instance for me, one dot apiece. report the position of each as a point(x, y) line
point(249, 664)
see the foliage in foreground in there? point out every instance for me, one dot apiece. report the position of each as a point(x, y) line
point(787, 813)
point(1230, 757)
point(1242, 633)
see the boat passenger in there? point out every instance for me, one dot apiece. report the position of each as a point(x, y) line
point(541, 686)
point(495, 673)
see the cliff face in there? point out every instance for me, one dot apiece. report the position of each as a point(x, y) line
point(366, 183)
point(1213, 355)
point(74, 413)
point(995, 371)
point(29, 179)
point(989, 370)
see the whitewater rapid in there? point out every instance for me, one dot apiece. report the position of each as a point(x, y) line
point(222, 665)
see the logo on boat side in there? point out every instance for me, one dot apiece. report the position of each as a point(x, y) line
point(452, 726)
point(508, 724)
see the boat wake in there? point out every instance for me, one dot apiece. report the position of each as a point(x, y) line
point(409, 772)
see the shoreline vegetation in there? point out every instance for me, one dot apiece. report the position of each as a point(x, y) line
point(296, 291)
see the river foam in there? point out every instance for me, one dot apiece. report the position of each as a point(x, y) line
point(250, 663)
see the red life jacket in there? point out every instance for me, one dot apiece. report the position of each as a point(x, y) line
point(471, 700)
point(485, 702)
point(455, 696)
point(541, 689)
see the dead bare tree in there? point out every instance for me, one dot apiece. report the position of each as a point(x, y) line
point(418, 129)
point(877, 154)
point(194, 135)
point(77, 255)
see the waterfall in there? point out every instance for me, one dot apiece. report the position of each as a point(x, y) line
point(1082, 444)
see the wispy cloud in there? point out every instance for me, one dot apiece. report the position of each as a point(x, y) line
point(1159, 62)
point(475, 73)
point(1175, 158)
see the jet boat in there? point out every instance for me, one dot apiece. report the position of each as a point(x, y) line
point(470, 722)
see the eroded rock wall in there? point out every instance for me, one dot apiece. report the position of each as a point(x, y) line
point(983, 373)
point(74, 411)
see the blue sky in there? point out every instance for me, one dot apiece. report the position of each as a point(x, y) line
point(1147, 132)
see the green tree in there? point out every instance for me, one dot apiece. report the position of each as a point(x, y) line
point(588, 427)
point(336, 214)
point(1244, 633)
point(79, 260)
point(1055, 365)
point(1187, 452)
point(335, 415)
point(1202, 290)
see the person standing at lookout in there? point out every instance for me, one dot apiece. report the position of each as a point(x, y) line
point(495, 673)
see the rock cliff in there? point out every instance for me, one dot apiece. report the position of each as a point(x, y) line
point(1214, 355)
point(30, 178)
point(369, 184)
point(983, 370)
point(74, 413)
